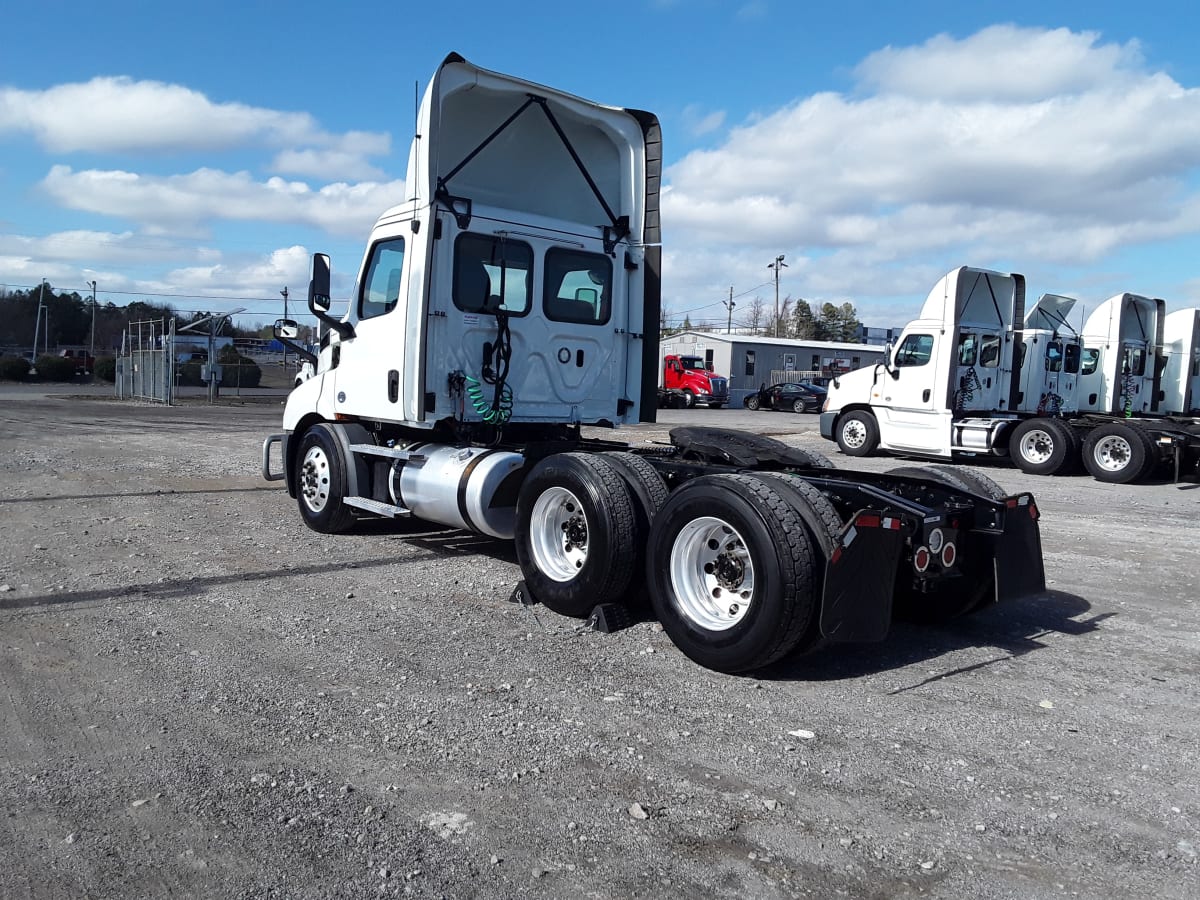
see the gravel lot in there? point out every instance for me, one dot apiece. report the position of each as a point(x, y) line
point(200, 697)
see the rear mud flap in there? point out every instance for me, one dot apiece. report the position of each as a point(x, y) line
point(860, 576)
point(1018, 551)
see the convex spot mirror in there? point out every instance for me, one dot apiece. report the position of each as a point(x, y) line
point(286, 329)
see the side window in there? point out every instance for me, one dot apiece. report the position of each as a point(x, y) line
point(1135, 361)
point(491, 273)
point(1071, 359)
point(989, 351)
point(749, 362)
point(915, 350)
point(1091, 359)
point(1054, 356)
point(815, 364)
point(381, 287)
point(577, 286)
point(968, 348)
point(1021, 351)
point(1196, 365)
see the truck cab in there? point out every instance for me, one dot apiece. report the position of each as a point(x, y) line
point(949, 365)
point(1181, 376)
point(691, 379)
point(1123, 338)
point(1049, 358)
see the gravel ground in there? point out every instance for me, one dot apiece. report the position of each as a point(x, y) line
point(200, 697)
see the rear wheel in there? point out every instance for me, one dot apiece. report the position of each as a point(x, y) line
point(752, 402)
point(321, 482)
point(1118, 453)
point(575, 533)
point(730, 567)
point(798, 406)
point(858, 433)
point(1042, 446)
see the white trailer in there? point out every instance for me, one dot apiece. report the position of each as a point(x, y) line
point(513, 299)
point(975, 375)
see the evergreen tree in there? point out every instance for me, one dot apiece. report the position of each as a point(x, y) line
point(804, 323)
point(850, 324)
point(830, 323)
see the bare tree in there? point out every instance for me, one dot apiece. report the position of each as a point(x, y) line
point(755, 313)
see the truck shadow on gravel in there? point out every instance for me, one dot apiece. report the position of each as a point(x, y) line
point(1014, 629)
point(55, 498)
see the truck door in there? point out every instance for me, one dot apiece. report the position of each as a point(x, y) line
point(367, 377)
point(912, 415)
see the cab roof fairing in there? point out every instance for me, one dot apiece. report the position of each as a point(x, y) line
point(526, 167)
point(979, 297)
point(1126, 317)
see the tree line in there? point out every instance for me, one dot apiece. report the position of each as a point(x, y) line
point(798, 319)
point(66, 320)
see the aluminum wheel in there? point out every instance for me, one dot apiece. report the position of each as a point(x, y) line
point(558, 534)
point(1037, 446)
point(854, 433)
point(314, 479)
point(712, 574)
point(1113, 453)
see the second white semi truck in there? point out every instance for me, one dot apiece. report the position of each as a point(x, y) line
point(975, 375)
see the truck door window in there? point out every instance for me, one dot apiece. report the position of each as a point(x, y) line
point(968, 347)
point(989, 351)
point(1091, 359)
point(577, 286)
point(1054, 356)
point(914, 350)
point(486, 265)
point(1071, 359)
point(381, 287)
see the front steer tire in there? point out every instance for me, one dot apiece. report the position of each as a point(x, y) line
point(321, 482)
point(731, 572)
point(576, 534)
point(858, 433)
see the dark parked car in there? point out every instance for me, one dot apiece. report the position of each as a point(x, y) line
point(793, 396)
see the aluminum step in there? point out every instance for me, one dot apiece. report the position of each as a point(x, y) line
point(390, 452)
point(377, 506)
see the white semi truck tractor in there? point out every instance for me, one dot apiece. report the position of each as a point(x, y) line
point(1181, 374)
point(975, 375)
point(504, 311)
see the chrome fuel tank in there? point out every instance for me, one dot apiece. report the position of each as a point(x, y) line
point(465, 487)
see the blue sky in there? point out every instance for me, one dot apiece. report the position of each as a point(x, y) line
point(198, 153)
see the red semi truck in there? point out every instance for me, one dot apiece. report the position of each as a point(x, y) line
point(688, 382)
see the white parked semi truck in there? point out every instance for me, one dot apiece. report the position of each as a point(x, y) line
point(977, 376)
point(511, 301)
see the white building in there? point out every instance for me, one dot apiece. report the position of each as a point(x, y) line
point(752, 360)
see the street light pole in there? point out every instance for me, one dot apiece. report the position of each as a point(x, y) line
point(37, 326)
point(92, 354)
point(284, 292)
point(729, 305)
point(777, 265)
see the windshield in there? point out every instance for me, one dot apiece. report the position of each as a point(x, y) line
point(691, 362)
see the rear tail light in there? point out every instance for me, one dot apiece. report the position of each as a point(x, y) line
point(949, 555)
point(921, 559)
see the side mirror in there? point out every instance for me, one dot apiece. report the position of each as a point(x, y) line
point(286, 329)
point(589, 296)
point(318, 287)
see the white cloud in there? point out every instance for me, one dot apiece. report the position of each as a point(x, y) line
point(185, 203)
point(120, 115)
point(699, 123)
point(1043, 149)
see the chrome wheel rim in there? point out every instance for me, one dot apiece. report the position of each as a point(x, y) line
point(854, 434)
point(1113, 453)
point(558, 534)
point(314, 479)
point(712, 574)
point(1037, 446)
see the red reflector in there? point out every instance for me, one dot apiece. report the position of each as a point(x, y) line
point(837, 554)
point(891, 524)
point(949, 554)
point(921, 559)
point(1011, 502)
point(867, 521)
point(1033, 512)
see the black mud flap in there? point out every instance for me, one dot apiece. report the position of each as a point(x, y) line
point(860, 576)
point(1018, 556)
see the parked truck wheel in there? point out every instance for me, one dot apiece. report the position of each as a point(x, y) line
point(575, 533)
point(648, 492)
point(1042, 446)
point(730, 566)
point(689, 399)
point(982, 484)
point(954, 597)
point(321, 482)
point(1118, 453)
point(858, 433)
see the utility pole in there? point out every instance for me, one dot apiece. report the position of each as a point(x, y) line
point(729, 305)
point(92, 354)
point(37, 326)
point(284, 292)
point(777, 265)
